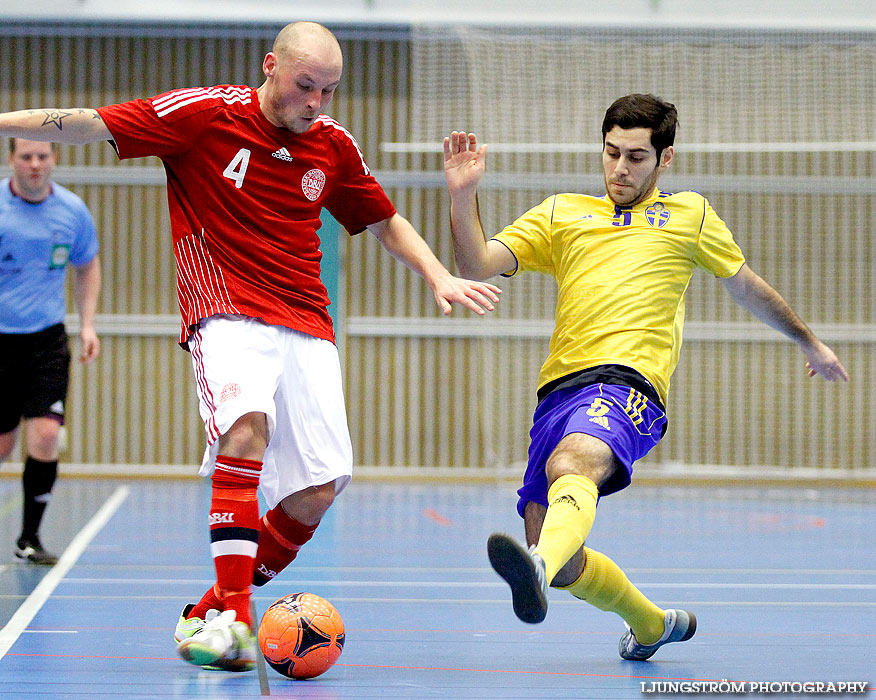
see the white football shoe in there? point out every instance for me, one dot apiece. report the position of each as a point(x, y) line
point(222, 643)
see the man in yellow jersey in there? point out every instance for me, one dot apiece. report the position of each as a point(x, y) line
point(622, 263)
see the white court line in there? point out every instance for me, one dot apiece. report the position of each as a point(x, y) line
point(749, 572)
point(481, 569)
point(50, 632)
point(31, 606)
point(689, 603)
point(480, 584)
point(502, 601)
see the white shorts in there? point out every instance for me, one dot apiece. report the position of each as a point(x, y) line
point(243, 365)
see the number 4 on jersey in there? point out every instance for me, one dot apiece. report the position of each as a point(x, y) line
point(236, 169)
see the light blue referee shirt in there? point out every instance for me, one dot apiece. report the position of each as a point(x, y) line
point(36, 243)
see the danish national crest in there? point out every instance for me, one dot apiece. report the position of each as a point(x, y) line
point(312, 183)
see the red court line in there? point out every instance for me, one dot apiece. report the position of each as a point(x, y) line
point(534, 673)
point(437, 517)
point(429, 668)
point(400, 668)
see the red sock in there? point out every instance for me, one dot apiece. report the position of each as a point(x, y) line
point(209, 601)
point(280, 538)
point(234, 531)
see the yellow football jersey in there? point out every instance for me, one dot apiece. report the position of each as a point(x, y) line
point(622, 274)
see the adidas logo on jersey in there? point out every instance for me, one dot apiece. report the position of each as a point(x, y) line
point(282, 154)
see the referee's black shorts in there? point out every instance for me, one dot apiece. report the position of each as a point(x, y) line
point(34, 374)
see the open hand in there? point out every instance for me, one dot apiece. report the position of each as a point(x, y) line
point(476, 296)
point(464, 162)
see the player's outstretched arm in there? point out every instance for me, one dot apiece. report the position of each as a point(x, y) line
point(752, 292)
point(464, 166)
point(77, 125)
point(402, 241)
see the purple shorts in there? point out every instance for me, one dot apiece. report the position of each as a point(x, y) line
point(623, 418)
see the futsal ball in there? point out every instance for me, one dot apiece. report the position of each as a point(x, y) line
point(301, 635)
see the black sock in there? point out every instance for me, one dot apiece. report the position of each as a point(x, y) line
point(38, 478)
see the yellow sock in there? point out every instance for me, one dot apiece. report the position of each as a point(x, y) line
point(570, 514)
point(605, 586)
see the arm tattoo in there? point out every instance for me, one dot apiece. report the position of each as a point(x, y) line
point(56, 117)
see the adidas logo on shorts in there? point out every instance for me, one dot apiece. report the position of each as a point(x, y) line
point(282, 154)
point(600, 420)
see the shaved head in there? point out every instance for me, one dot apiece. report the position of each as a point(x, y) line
point(299, 37)
point(302, 72)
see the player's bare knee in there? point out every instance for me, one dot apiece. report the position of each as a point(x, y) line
point(247, 438)
point(308, 506)
point(581, 455)
point(41, 437)
point(567, 463)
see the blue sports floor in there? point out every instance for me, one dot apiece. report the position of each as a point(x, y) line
point(783, 582)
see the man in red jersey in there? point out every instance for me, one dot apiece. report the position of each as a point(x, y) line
point(248, 173)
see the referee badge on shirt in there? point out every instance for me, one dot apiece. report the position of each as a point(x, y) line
point(60, 256)
point(657, 214)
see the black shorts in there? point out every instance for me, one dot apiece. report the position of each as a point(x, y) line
point(34, 374)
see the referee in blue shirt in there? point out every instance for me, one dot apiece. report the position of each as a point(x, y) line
point(43, 228)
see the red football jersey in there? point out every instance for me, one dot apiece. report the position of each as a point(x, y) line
point(245, 198)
